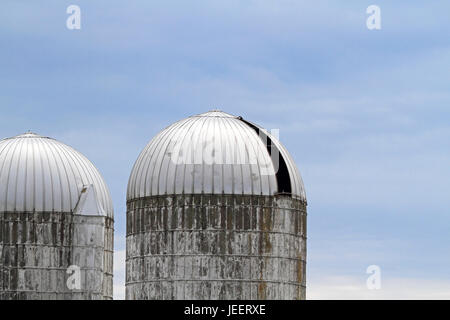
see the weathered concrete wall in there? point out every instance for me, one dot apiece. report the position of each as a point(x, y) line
point(108, 258)
point(37, 248)
point(216, 247)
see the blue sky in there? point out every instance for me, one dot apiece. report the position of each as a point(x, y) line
point(364, 113)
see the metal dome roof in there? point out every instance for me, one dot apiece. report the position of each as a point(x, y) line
point(214, 153)
point(40, 174)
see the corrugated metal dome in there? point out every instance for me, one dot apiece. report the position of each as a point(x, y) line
point(214, 153)
point(40, 174)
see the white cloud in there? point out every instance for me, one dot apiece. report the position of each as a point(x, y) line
point(347, 288)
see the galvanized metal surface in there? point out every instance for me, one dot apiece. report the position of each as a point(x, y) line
point(41, 174)
point(216, 247)
point(210, 153)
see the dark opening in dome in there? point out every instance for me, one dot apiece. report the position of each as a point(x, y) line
point(282, 175)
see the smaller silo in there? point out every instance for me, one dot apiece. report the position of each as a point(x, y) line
point(56, 223)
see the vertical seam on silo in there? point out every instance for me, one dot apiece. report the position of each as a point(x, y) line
point(167, 142)
point(238, 132)
point(132, 180)
point(237, 154)
point(214, 158)
point(52, 151)
point(142, 163)
point(245, 130)
point(47, 160)
point(25, 189)
point(8, 145)
point(21, 143)
point(34, 143)
point(160, 147)
point(142, 169)
point(156, 155)
point(72, 163)
point(231, 145)
point(148, 163)
point(194, 123)
point(191, 121)
point(201, 126)
point(40, 147)
point(71, 205)
point(222, 153)
point(208, 122)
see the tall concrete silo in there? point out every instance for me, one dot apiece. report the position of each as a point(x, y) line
point(216, 209)
point(56, 222)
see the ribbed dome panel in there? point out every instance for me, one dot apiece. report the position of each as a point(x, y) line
point(211, 153)
point(40, 174)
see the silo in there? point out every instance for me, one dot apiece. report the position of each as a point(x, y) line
point(56, 222)
point(216, 209)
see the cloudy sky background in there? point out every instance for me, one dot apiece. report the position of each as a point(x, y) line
point(365, 114)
